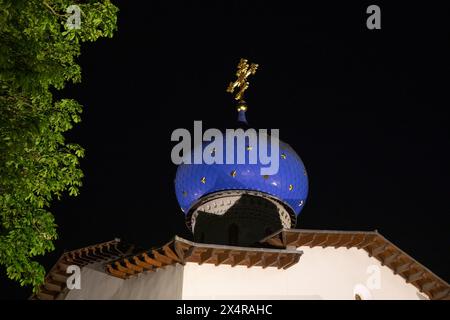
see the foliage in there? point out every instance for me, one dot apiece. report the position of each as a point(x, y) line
point(38, 52)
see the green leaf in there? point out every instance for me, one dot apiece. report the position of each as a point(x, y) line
point(38, 55)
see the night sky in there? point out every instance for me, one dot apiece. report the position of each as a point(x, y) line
point(366, 110)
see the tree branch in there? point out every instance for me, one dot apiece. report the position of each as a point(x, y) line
point(53, 11)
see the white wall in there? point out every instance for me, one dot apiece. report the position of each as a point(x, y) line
point(321, 273)
point(163, 284)
point(95, 285)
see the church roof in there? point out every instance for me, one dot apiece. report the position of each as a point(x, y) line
point(54, 286)
point(376, 246)
point(277, 250)
point(181, 251)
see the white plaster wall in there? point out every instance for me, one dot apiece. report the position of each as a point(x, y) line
point(163, 284)
point(95, 285)
point(322, 273)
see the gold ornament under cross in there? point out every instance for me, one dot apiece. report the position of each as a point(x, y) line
point(243, 72)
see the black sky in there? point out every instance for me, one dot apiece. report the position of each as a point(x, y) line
point(367, 110)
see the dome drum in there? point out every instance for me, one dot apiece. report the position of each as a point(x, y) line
point(238, 217)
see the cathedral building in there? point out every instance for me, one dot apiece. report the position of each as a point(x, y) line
point(245, 245)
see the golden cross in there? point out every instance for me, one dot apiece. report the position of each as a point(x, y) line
point(242, 73)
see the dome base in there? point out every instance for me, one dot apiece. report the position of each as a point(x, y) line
point(238, 217)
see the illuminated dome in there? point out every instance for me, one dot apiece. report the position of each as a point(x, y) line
point(196, 184)
point(289, 185)
point(238, 204)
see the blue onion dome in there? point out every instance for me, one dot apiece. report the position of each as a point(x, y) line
point(288, 187)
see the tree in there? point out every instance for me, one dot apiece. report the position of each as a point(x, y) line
point(39, 43)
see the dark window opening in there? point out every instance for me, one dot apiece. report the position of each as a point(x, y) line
point(233, 234)
point(202, 237)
